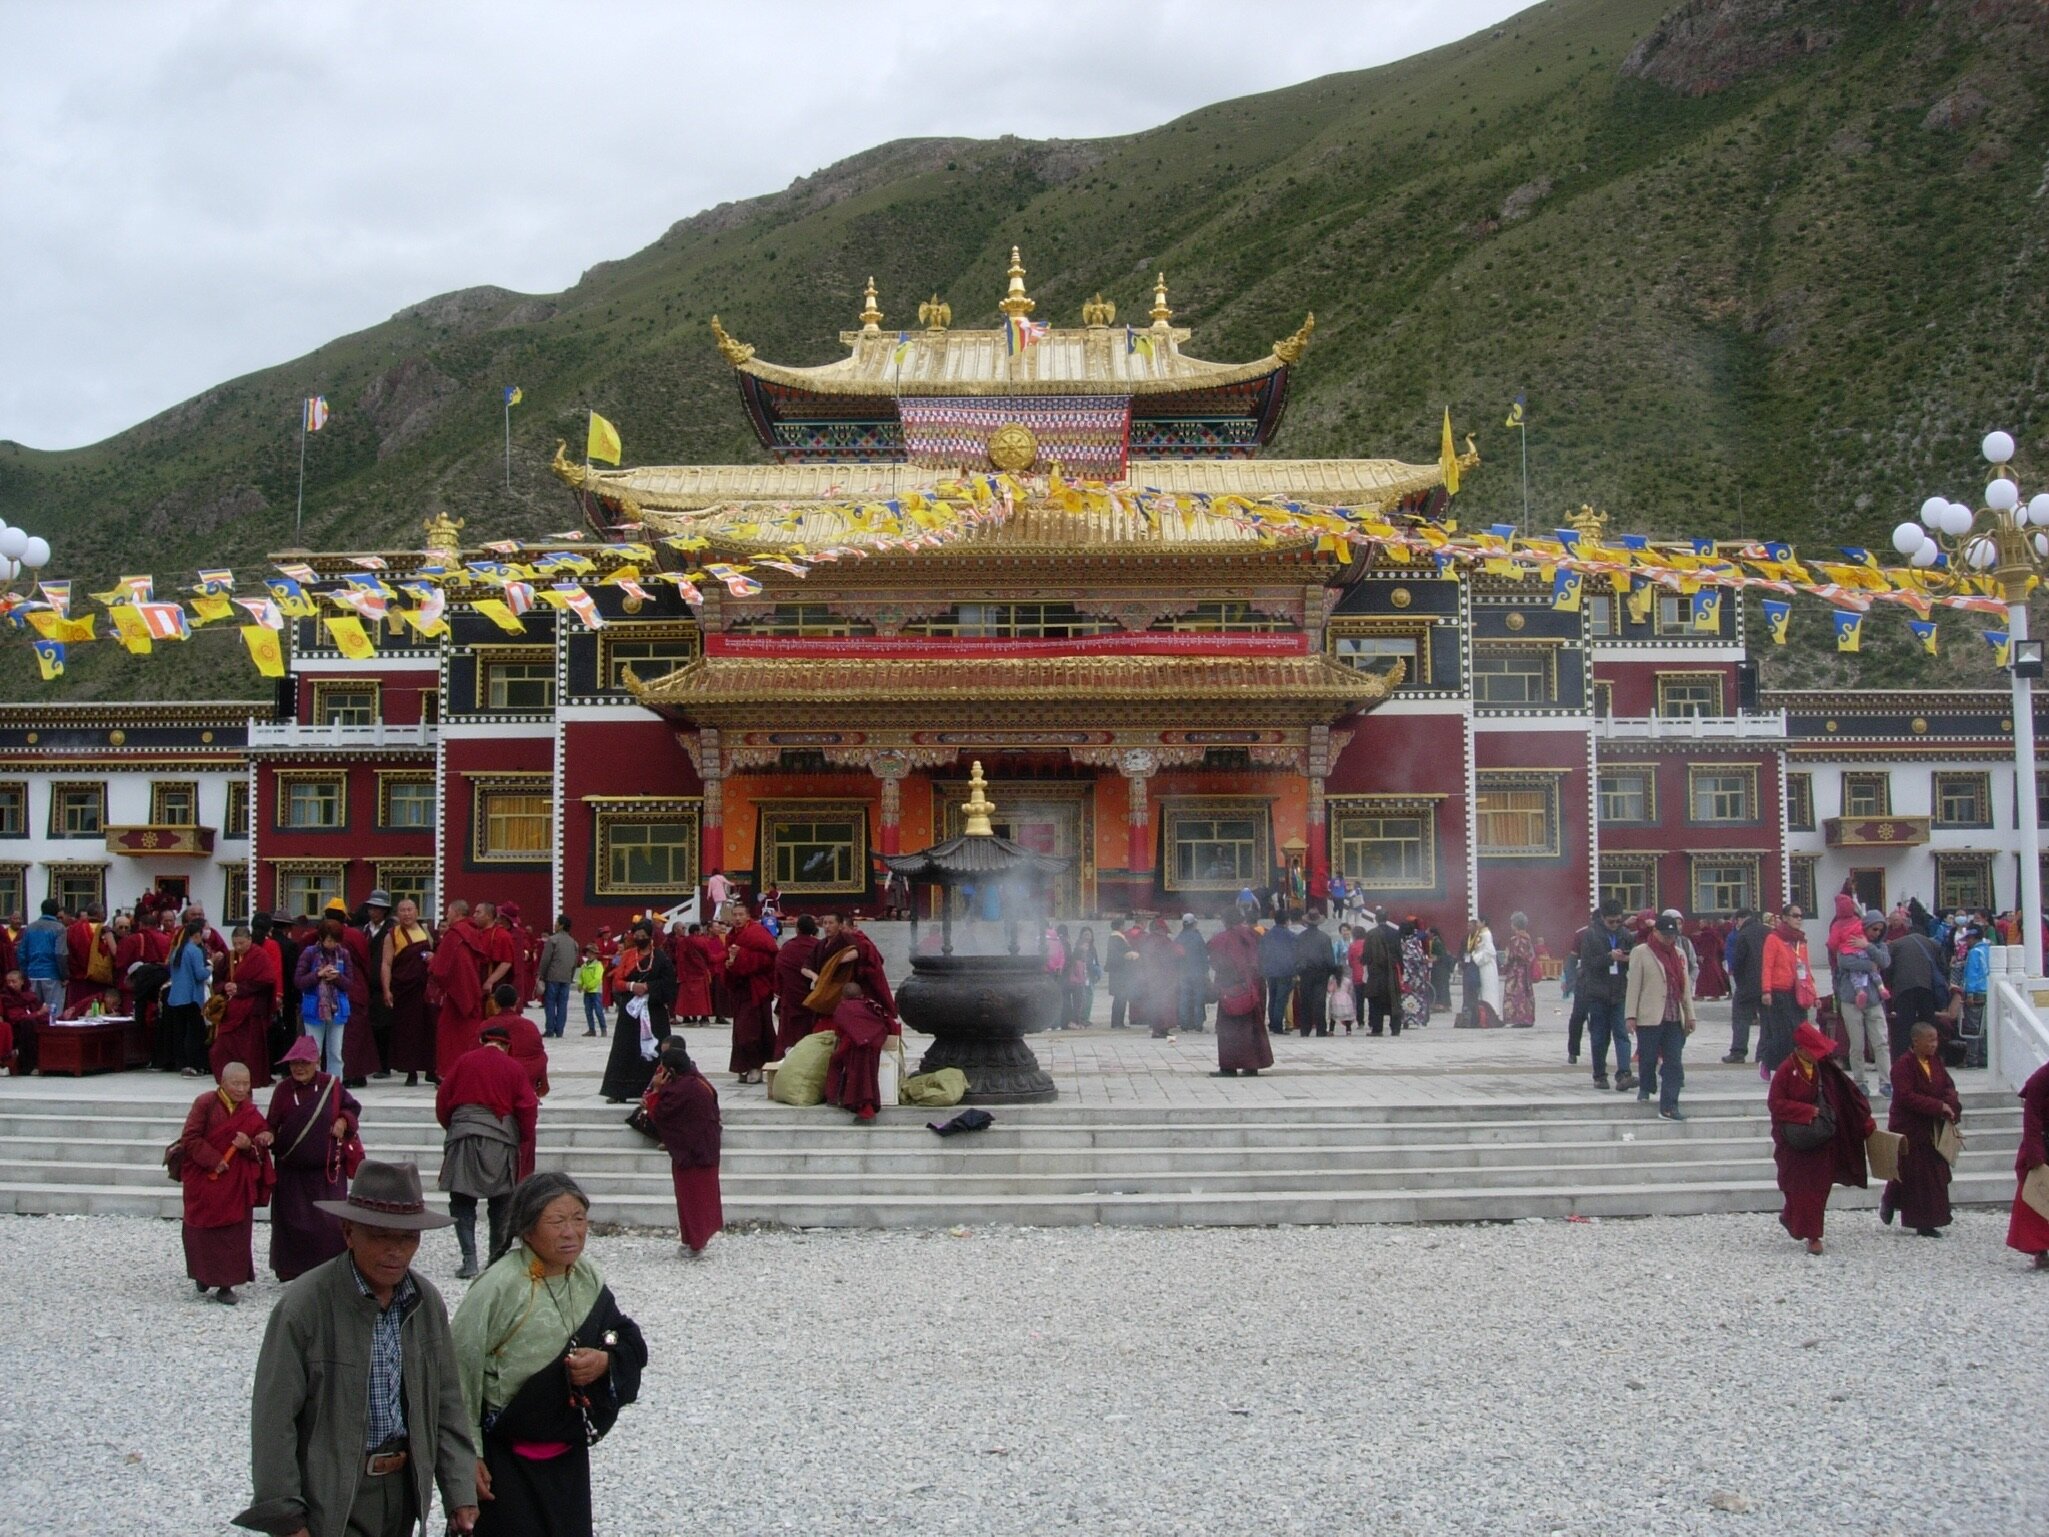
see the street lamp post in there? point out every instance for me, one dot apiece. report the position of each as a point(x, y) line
point(20, 551)
point(2007, 541)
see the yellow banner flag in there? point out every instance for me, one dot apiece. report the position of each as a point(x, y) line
point(54, 626)
point(211, 610)
point(264, 650)
point(350, 638)
point(603, 445)
point(495, 610)
point(1447, 458)
point(132, 628)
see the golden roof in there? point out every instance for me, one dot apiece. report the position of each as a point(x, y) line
point(1067, 360)
point(1374, 485)
point(1283, 685)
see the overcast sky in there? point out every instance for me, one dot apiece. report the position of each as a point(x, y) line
point(192, 189)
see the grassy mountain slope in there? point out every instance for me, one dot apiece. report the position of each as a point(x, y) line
point(1763, 266)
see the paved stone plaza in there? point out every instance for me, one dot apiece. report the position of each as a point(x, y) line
point(1695, 1375)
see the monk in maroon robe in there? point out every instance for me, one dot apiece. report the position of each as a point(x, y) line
point(750, 978)
point(839, 933)
point(1924, 1097)
point(521, 940)
point(1804, 1082)
point(312, 1117)
point(523, 1043)
point(796, 969)
point(710, 943)
point(1157, 1002)
point(462, 960)
point(226, 1175)
point(685, 1110)
point(243, 1034)
point(91, 977)
point(693, 973)
point(408, 947)
point(853, 1079)
point(2027, 1229)
point(1242, 1037)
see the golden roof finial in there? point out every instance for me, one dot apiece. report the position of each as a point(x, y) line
point(734, 352)
point(1588, 523)
point(1099, 312)
point(444, 535)
point(1291, 350)
point(1159, 312)
point(978, 808)
point(935, 314)
point(1017, 304)
point(871, 317)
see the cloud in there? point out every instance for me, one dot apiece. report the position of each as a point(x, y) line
point(198, 191)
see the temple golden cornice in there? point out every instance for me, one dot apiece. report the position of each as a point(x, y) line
point(1284, 690)
point(722, 491)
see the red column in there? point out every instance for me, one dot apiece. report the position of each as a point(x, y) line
point(711, 852)
point(1138, 766)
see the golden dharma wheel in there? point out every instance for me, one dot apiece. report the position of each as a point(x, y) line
point(1013, 447)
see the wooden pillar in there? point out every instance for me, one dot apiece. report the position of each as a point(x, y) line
point(891, 768)
point(1317, 864)
point(1137, 766)
point(712, 833)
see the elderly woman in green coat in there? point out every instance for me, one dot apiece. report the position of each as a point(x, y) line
point(547, 1360)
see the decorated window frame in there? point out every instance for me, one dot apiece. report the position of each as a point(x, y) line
point(402, 878)
point(236, 898)
point(611, 816)
point(1750, 812)
point(1963, 879)
point(293, 892)
point(1876, 783)
point(1747, 890)
point(1175, 810)
point(13, 813)
point(87, 796)
point(1417, 671)
point(14, 890)
point(625, 635)
point(486, 790)
point(1977, 783)
point(1631, 878)
point(1545, 653)
point(390, 779)
point(76, 883)
point(539, 665)
point(1672, 703)
point(776, 825)
point(1647, 773)
point(164, 795)
point(329, 696)
point(1800, 801)
point(288, 779)
point(1803, 872)
point(1354, 817)
point(1543, 783)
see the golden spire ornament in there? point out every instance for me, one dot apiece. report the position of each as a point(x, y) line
point(1161, 315)
point(871, 317)
point(1017, 303)
point(977, 808)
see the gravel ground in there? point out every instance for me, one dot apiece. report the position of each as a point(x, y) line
point(1674, 1375)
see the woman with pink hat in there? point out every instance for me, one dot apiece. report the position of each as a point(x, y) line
point(314, 1119)
point(1820, 1122)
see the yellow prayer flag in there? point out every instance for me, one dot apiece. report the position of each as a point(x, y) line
point(604, 441)
point(54, 626)
point(1447, 458)
point(132, 628)
point(350, 638)
point(209, 610)
point(264, 649)
point(494, 609)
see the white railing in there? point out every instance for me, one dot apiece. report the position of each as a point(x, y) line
point(1768, 726)
point(2017, 1037)
point(377, 734)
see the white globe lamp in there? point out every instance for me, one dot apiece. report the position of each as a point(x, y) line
point(1998, 447)
point(2001, 496)
point(13, 542)
point(1908, 538)
point(36, 554)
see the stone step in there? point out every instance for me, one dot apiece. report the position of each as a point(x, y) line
point(1279, 1207)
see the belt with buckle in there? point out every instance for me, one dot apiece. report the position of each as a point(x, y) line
point(383, 1464)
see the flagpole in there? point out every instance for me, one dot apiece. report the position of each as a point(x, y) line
point(508, 442)
point(1524, 428)
point(299, 514)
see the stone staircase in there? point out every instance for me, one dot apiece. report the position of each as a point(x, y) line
point(1051, 1165)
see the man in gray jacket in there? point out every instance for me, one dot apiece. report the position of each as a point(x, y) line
point(557, 974)
point(358, 1409)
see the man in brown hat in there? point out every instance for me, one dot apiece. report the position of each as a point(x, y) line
point(358, 1410)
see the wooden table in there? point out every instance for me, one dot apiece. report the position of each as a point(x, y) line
point(103, 1045)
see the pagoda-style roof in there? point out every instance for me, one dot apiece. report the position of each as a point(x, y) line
point(1056, 690)
point(1021, 394)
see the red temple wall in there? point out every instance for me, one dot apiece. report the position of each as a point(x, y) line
point(462, 875)
point(1415, 755)
point(625, 757)
point(1556, 892)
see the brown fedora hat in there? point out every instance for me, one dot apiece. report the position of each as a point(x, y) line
point(386, 1195)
